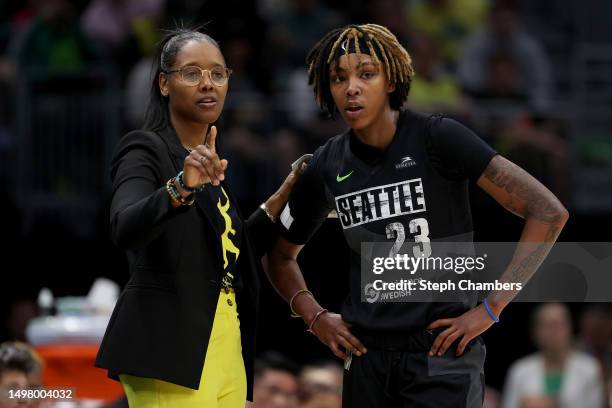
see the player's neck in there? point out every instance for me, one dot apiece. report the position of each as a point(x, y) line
point(190, 133)
point(380, 133)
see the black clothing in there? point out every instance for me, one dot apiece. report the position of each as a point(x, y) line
point(418, 185)
point(162, 321)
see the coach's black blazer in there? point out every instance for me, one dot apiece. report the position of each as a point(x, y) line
point(162, 321)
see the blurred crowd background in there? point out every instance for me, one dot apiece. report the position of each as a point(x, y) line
point(532, 78)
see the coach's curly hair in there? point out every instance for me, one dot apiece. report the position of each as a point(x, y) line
point(396, 61)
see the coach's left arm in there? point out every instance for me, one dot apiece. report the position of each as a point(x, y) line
point(544, 215)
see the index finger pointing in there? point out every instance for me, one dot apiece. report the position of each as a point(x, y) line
point(213, 139)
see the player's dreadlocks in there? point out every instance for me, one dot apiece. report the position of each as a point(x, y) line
point(381, 44)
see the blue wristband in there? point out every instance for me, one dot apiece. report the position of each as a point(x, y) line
point(488, 309)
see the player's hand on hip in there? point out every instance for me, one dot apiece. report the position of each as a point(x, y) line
point(203, 165)
point(335, 334)
point(463, 328)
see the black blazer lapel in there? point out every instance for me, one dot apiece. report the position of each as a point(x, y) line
point(177, 155)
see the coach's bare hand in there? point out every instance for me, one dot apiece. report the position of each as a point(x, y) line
point(334, 332)
point(277, 201)
point(203, 165)
point(465, 327)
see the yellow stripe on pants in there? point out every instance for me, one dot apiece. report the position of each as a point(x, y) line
point(223, 383)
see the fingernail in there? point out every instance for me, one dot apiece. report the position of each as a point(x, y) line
point(440, 353)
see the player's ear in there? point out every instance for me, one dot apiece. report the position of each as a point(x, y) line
point(390, 87)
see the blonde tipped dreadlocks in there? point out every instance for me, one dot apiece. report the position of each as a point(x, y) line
point(384, 49)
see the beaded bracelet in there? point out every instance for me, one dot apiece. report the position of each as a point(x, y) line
point(191, 190)
point(314, 320)
point(176, 196)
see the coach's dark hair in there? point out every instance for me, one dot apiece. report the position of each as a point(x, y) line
point(383, 47)
point(157, 115)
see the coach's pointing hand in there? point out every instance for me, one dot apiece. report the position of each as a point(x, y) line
point(203, 165)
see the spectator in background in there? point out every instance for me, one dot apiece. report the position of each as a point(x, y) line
point(136, 91)
point(492, 398)
point(246, 101)
point(390, 14)
point(276, 384)
point(433, 88)
point(538, 143)
point(293, 31)
point(111, 23)
point(321, 385)
point(20, 312)
point(301, 109)
point(502, 79)
point(595, 338)
point(54, 42)
point(20, 369)
point(125, 32)
point(505, 48)
point(447, 22)
point(557, 375)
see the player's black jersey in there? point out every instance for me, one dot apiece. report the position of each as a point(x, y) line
point(417, 187)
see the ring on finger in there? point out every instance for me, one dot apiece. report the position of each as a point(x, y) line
point(202, 159)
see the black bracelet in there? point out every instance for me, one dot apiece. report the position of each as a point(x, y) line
point(197, 189)
point(176, 196)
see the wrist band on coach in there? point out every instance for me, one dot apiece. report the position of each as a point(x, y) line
point(198, 189)
point(314, 320)
point(488, 309)
point(299, 292)
point(176, 196)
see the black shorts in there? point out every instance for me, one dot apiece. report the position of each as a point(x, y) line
point(398, 372)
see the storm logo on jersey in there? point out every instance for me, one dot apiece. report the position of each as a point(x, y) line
point(381, 202)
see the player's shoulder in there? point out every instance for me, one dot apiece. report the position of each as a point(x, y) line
point(332, 149)
point(421, 122)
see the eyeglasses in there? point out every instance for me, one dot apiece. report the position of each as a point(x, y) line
point(192, 75)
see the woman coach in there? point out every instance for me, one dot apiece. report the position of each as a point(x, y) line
point(182, 332)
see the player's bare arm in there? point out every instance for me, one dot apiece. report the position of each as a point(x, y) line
point(285, 275)
point(544, 215)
